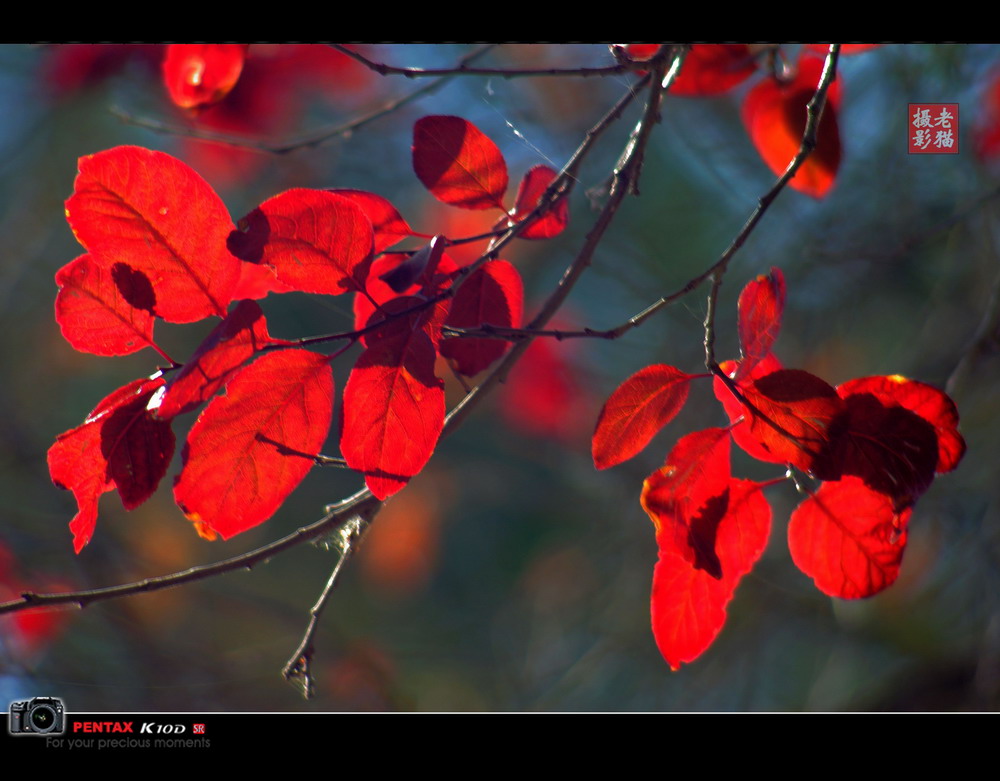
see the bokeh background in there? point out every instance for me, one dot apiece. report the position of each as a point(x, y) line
point(510, 575)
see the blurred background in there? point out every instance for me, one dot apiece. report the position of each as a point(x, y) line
point(510, 575)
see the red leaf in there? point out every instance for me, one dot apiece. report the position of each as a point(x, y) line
point(250, 448)
point(775, 116)
point(793, 416)
point(199, 74)
point(458, 164)
point(389, 226)
point(104, 311)
point(711, 529)
point(713, 68)
point(895, 434)
point(231, 343)
point(118, 446)
point(848, 539)
point(553, 220)
point(152, 213)
point(430, 282)
point(636, 411)
point(492, 295)
point(760, 306)
point(696, 472)
point(393, 406)
point(926, 401)
point(315, 241)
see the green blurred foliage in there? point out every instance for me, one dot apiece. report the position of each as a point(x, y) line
point(515, 577)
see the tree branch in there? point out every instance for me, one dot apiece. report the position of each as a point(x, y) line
point(462, 70)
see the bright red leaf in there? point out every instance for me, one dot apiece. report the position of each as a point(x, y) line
point(231, 343)
point(315, 241)
point(104, 311)
point(848, 539)
point(553, 220)
point(711, 529)
point(389, 226)
point(760, 306)
point(250, 448)
point(150, 212)
point(393, 405)
point(792, 417)
point(199, 74)
point(430, 282)
point(492, 295)
point(120, 446)
point(775, 116)
point(458, 164)
point(636, 411)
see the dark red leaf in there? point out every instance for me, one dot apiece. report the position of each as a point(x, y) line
point(315, 241)
point(429, 283)
point(926, 401)
point(848, 539)
point(250, 448)
point(492, 295)
point(793, 415)
point(775, 117)
point(713, 68)
point(118, 445)
point(231, 343)
point(199, 74)
point(760, 306)
point(711, 529)
point(636, 411)
point(393, 406)
point(150, 212)
point(553, 220)
point(389, 226)
point(895, 433)
point(104, 311)
point(458, 164)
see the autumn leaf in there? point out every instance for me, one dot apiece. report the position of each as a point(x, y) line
point(250, 448)
point(104, 311)
point(711, 529)
point(393, 409)
point(242, 334)
point(714, 68)
point(199, 74)
point(152, 213)
point(492, 295)
point(774, 114)
point(636, 411)
point(553, 220)
point(389, 226)
point(792, 418)
point(120, 446)
point(760, 306)
point(316, 241)
point(848, 539)
point(458, 164)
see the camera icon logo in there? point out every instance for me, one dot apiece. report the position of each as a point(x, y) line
point(38, 716)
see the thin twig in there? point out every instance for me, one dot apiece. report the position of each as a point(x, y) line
point(507, 73)
point(299, 666)
point(316, 138)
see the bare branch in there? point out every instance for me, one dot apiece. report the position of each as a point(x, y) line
point(507, 73)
